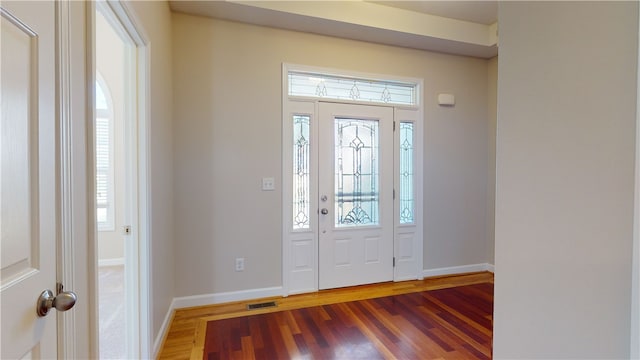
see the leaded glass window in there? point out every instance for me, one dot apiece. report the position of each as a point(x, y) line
point(356, 172)
point(406, 173)
point(301, 183)
point(347, 88)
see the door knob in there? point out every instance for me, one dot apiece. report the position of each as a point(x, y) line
point(64, 301)
point(324, 211)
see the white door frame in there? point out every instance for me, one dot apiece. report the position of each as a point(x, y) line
point(76, 336)
point(136, 279)
point(77, 254)
point(136, 142)
point(300, 247)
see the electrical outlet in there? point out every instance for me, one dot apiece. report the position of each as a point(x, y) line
point(239, 264)
point(268, 184)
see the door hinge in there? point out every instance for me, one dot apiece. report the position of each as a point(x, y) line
point(394, 126)
point(394, 194)
point(394, 261)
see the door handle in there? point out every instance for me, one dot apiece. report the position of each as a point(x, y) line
point(324, 211)
point(64, 301)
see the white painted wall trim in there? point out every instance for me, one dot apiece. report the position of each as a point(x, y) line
point(209, 299)
point(137, 272)
point(77, 255)
point(164, 330)
point(111, 262)
point(226, 297)
point(219, 298)
point(453, 270)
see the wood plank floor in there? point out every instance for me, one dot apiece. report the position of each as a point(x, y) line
point(460, 328)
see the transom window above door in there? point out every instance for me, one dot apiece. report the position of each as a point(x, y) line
point(324, 86)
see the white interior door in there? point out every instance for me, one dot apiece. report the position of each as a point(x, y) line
point(29, 220)
point(355, 195)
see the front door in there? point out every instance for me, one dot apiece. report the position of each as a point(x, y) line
point(29, 213)
point(355, 195)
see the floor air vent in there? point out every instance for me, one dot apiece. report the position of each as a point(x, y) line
point(261, 305)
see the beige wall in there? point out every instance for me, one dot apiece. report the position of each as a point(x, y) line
point(492, 100)
point(155, 17)
point(227, 136)
point(635, 286)
point(565, 175)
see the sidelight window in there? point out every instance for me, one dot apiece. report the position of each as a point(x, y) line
point(406, 173)
point(301, 171)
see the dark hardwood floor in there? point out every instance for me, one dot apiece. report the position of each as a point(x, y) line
point(454, 323)
point(446, 317)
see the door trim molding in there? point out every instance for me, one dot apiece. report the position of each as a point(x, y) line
point(138, 252)
point(75, 155)
point(300, 248)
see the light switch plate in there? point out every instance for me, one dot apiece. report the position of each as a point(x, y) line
point(268, 184)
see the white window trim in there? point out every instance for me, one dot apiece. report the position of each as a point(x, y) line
point(286, 68)
point(109, 114)
point(357, 90)
point(408, 238)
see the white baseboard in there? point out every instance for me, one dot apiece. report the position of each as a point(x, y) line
point(457, 270)
point(219, 298)
point(209, 299)
point(164, 329)
point(111, 262)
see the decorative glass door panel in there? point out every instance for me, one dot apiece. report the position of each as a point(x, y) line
point(356, 182)
point(355, 185)
point(301, 168)
point(406, 173)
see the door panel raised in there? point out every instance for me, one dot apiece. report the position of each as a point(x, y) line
point(356, 177)
point(28, 218)
point(19, 218)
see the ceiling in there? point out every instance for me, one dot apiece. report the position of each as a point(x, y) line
point(482, 12)
point(457, 27)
